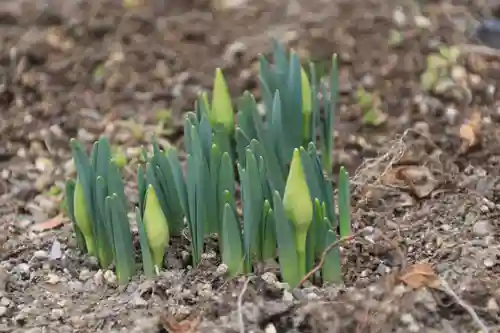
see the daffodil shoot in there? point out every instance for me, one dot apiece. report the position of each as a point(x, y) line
point(221, 110)
point(298, 205)
point(256, 180)
point(156, 226)
point(82, 218)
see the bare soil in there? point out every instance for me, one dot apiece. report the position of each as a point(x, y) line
point(424, 174)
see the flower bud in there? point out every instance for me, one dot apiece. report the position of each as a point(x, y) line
point(221, 111)
point(82, 217)
point(156, 226)
point(297, 201)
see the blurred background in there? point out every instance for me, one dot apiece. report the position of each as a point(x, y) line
point(419, 90)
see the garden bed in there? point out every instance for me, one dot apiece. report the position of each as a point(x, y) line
point(424, 164)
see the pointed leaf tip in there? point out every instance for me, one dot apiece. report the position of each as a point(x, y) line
point(156, 226)
point(306, 92)
point(297, 199)
point(222, 111)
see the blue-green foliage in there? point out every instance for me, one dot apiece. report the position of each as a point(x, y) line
point(205, 194)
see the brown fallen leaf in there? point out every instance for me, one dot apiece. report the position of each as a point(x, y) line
point(416, 179)
point(188, 325)
point(470, 132)
point(420, 275)
point(52, 223)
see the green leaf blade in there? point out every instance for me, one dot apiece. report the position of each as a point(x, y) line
point(285, 236)
point(232, 254)
point(122, 237)
point(344, 204)
point(147, 258)
point(70, 197)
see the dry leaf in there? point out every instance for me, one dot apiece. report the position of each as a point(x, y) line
point(420, 180)
point(470, 131)
point(188, 325)
point(420, 275)
point(52, 223)
point(417, 179)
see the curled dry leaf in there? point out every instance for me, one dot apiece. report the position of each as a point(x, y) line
point(417, 179)
point(188, 325)
point(52, 223)
point(470, 131)
point(420, 275)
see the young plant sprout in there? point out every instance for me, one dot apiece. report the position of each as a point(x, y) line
point(286, 199)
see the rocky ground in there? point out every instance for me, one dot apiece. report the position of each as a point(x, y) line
point(424, 158)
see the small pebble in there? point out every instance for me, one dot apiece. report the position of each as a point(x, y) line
point(475, 80)
point(484, 209)
point(270, 329)
point(422, 22)
point(76, 286)
point(482, 228)
point(85, 135)
point(492, 305)
point(23, 268)
point(488, 262)
point(399, 17)
point(85, 274)
point(5, 173)
point(408, 319)
point(489, 203)
point(205, 290)
point(446, 227)
point(312, 296)
point(77, 321)
point(5, 301)
point(287, 296)
point(399, 290)
point(183, 310)
point(208, 255)
point(92, 263)
point(382, 269)
point(221, 269)
point(3, 310)
point(459, 74)
point(185, 255)
point(110, 277)
point(269, 278)
point(40, 255)
point(138, 301)
point(57, 314)
point(55, 251)
point(53, 278)
point(368, 81)
point(99, 278)
point(24, 223)
point(451, 115)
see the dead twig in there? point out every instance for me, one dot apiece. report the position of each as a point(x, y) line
point(347, 239)
point(325, 252)
point(447, 289)
point(240, 305)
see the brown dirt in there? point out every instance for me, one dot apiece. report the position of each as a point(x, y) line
point(81, 69)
